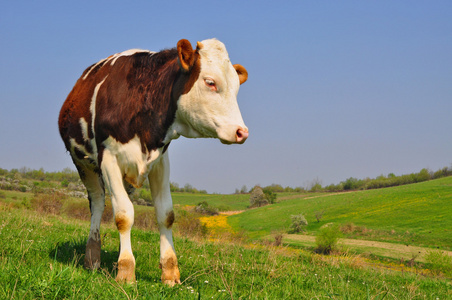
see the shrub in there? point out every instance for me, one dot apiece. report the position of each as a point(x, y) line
point(278, 239)
point(107, 216)
point(327, 238)
point(48, 203)
point(257, 197)
point(205, 209)
point(269, 195)
point(440, 262)
point(298, 223)
point(348, 228)
point(78, 211)
point(145, 220)
point(146, 195)
point(64, 183)
point(81, 211)
point(319, 215)
point(189, 225)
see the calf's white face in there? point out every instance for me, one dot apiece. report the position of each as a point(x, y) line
point(210, 108)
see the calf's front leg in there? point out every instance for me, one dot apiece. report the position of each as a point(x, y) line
point(161, 194)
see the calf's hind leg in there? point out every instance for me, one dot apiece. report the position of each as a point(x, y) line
point(96, 195)
point(160, 189)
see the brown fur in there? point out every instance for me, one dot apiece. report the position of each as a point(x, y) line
point(170, 271)
point(122, 222)
point(169, 219)
point(126, 271)
point(186, 54)
point(242, 72)
point(138, 97)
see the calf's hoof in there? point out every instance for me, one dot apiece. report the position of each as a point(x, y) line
point(92, 255)
point(126, 271)
point(170, 272)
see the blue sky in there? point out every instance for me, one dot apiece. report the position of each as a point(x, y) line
point(336, 89)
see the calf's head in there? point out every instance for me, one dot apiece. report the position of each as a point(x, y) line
point(209, 108)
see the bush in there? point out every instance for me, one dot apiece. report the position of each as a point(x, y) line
point(78, 210)
point(319, 215)
point(327, 238)
point(298, 223)
point(48, 203)
point(146, 195)
point(440, 262)
point(257, 197)
point(145, 220)
point(205, 209)
point(278, 239)
point(269, 195)
point(189, 225)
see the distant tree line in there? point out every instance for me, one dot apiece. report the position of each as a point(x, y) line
point(26, 173)
point(274, 188)
point(358, 184)
point(387, 181)
point(67, 176)
point(187, 188)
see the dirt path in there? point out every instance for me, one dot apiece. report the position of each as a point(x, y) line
point(310, 197)
point(397, 251)
point(231, 212)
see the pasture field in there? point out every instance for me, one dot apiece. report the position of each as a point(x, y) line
point(41, 257)
point(224, 202)
point(415, 214)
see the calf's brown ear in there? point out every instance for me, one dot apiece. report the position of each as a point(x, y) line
point(242, 72)
point(186, 54)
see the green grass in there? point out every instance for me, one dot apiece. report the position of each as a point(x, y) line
point(41, 257)
point(232, 202)
point(417, 214)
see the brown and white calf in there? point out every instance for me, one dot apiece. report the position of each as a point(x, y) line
point(120, 118)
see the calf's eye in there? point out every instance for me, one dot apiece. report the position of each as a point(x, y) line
point(211, 84)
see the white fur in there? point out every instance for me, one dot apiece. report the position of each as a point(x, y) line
point(126, 53)
point(84, 127)
point(132, 162)
point(206, 113)
point(93, 67)
point(160, 188)
point(112, 175)
point(115, 57)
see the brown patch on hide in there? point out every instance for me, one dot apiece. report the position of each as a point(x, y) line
point(169, 219)
point(122, 222)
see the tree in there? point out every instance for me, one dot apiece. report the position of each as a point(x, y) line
point(257, 197)
point(244, 190)
point(269, 195)
point(327, 238)
point(298, 223)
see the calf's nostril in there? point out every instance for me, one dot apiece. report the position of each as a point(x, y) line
point(241, 135)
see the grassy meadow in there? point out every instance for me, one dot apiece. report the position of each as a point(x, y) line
point(415, 214)
point(41, 252)
point(42, 256)
point(223, 202)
